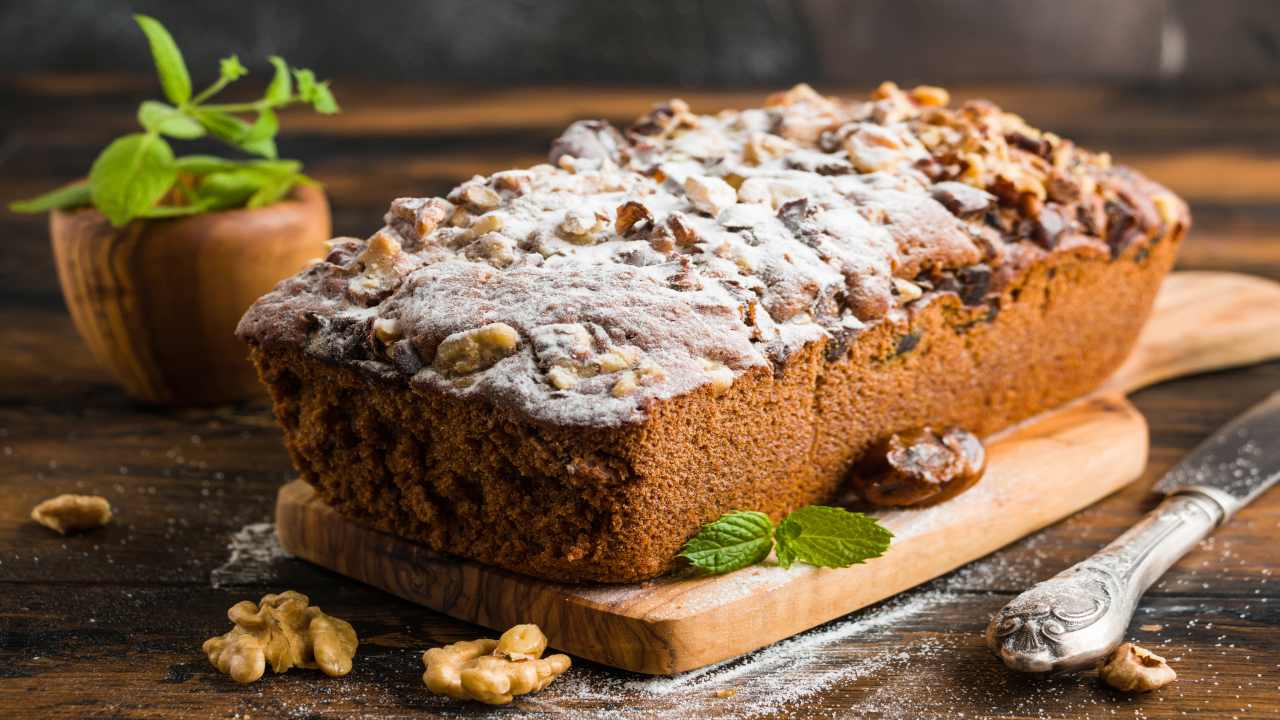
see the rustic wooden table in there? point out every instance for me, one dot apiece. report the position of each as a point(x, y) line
point(110, 623)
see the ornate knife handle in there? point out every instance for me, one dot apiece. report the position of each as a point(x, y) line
point(1071, 620)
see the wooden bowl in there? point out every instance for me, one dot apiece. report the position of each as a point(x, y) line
point(157, 301)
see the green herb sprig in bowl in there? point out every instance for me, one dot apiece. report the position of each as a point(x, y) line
point(815, 534)
point(138, 175)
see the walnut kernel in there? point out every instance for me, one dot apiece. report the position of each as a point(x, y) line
point(1133, 669)
point(284, 631)
point(69, 513)
point(468, 351)
point(710, 195)
point(493, 671)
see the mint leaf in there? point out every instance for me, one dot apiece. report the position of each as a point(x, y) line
point(169, 64)
point(204, 164)
point(61, 199)
point(264, 128)
point(168, 120)
point(281, 87)
point(322, 99)
point(222, 125)
point(306, 84)
point(131, 175)
point(229, 69)
point(736, 540)
point(168, 211)
point(829, 537)
point(232, 188)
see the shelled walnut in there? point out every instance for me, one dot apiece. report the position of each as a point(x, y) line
point(69, 513)
point(471, 350)
point(1133, 669)
point(920, 467)
point(284, 631)
point(493, 671)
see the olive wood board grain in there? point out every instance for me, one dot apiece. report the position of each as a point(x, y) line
point(1094, 446)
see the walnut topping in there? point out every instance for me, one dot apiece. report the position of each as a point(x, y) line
point(472, 350)
point(709, 195)
point(763, 147)
point(493, 248)
point(71, 513)
point(385, 264)
point(683, 232)
point(1137, 670)
point(476, 196)
point(720, 376)
point(580, 225)
point(907, 291)
point(631, 214)
point(493, 671)
point(283, 631)
point(920, 467)
point(872, 148)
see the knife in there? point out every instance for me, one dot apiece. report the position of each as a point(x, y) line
point(1072, 620)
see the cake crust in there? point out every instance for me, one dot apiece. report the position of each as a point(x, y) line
point(566, 370)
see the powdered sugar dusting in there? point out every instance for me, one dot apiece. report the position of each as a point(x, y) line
point(255, 549)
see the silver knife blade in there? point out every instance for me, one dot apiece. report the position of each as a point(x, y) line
point(1236, 464)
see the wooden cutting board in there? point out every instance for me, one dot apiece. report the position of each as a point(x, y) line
point(1202, 321)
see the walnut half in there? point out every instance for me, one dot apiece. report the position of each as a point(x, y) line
point(285, 632)
point(919, 467)
point(1133, 669)
point(69, 513)
point(493, 671)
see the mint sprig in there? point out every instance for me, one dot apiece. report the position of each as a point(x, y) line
point(138, 175)
point(736, 540)
point(816, 534)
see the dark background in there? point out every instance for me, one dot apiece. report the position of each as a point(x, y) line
point(694, 42)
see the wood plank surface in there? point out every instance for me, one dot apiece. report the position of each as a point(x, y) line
point(110, 623)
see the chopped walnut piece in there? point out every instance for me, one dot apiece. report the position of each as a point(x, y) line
point(385, 264)
point(493, 671)
point(476, 196)
point(284, 631)
point(907, 291)
point(710, 195)
point(683, 232)
point(1133, 669)
point(580, 226)
point(762, 147)
point(719, 375)
point(930, 96)
point(71, 513)
point(631, 214)
point(472, 350)
point(920, 467)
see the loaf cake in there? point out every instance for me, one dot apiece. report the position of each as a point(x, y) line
point(565, 370)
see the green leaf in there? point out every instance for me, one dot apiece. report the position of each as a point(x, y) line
point(222, 125)
point(168, 211)
point(264, 127)
point(131, 175)
point(229, 68)
point(264, 147)
point(233, 188)
point(306, 84)
point(204, 164)
point(736, 540)
point(322, 99)
point(63, 198)
point(281, 87)
point(272, 191)
point(169, 65)
point(829, 537)
point(168, 120)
